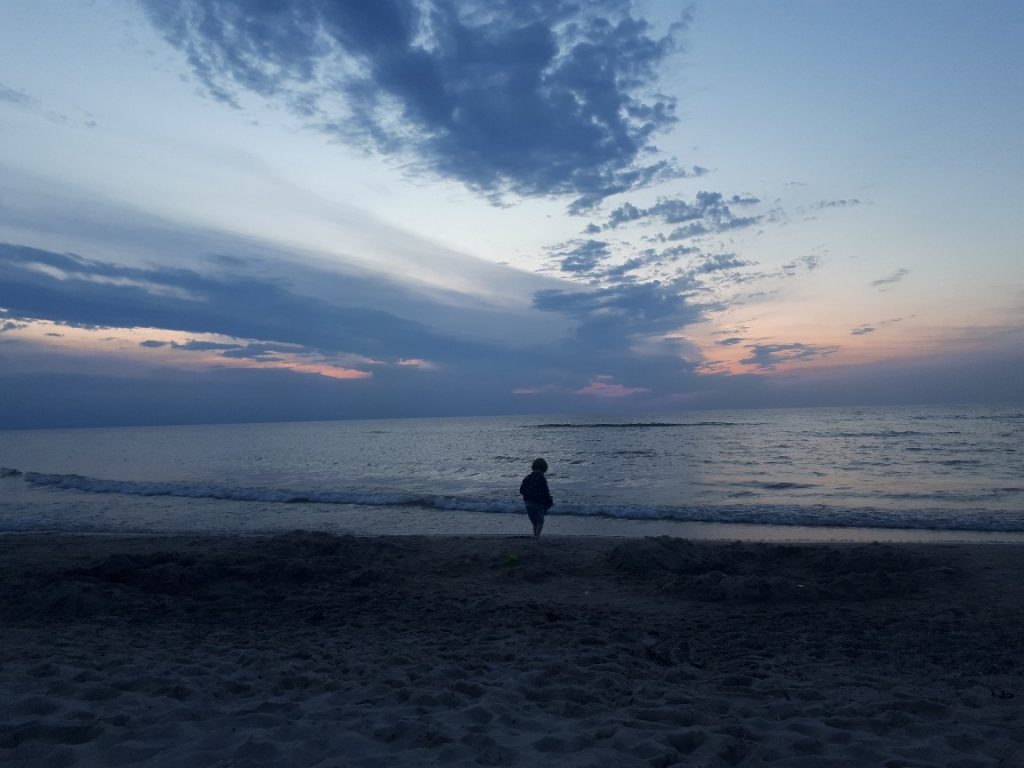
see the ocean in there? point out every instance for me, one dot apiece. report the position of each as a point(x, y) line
point(945, 473)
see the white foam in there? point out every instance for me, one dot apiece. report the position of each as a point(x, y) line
point(757, 514)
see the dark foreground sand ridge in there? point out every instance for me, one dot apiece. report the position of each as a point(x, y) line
point(315, 650)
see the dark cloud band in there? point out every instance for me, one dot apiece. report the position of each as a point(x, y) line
point(533, 98)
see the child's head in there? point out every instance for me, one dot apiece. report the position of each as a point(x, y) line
point(539, 465)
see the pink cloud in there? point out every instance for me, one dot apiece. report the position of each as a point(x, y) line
point(416, 362)
point(541, 390)
point(600, 387)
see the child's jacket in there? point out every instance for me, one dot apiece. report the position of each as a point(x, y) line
point(534, 489)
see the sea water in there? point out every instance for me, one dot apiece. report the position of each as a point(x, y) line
point(766, 473)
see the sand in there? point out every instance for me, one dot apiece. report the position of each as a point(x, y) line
point(315, 650)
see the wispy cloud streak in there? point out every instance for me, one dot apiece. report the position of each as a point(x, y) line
point(895, 277)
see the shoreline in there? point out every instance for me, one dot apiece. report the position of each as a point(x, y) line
point(80, 513)
point(592, 528)
point(308, 648)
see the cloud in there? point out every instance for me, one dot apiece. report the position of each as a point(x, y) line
point(867, 328)
point(583, 256)
point(476, 347)
point(767, 357)
point(721, 261)
point(710, 206)
point(807, 263)
point(645, 292)
point(552, 98)
point(298, 357)
point(836, 203)
point(595, 260)
point(695, 229)
point(13, 96)
point(254, 315)
point(18, 98)
point(538, 390)
point(203, 346)
point(608, 315)
point(73, 290)
point(259, 352)
point(415, 362)
point(675, 252)
point(707, 212)
point(620, 271)
point(440, 287)
point(603, 387)
point(980, 374)
point(623, 214)
point(824, 205)
point(618, 353)
point(895, 277)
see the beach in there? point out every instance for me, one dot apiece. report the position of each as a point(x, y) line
point(319, 650)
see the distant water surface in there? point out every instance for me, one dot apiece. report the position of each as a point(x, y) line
point(926, 468)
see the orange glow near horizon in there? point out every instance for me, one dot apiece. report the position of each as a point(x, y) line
point(187, 351)
point(330, 371)
point(730, 346)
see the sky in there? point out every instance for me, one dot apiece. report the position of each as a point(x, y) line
point(262, 210)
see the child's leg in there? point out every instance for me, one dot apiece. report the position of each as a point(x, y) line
point(536, 513)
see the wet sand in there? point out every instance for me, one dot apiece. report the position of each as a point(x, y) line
point(318, 650)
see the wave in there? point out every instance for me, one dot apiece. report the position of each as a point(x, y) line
point(818, 515)
point(212, 491)
point(889, 433)
point(643, 425)
point(1009, 416)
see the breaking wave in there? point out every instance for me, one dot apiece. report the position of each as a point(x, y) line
point(754, 514)
point(643, 425)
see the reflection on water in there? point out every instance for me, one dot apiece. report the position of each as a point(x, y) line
point(943, 468)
